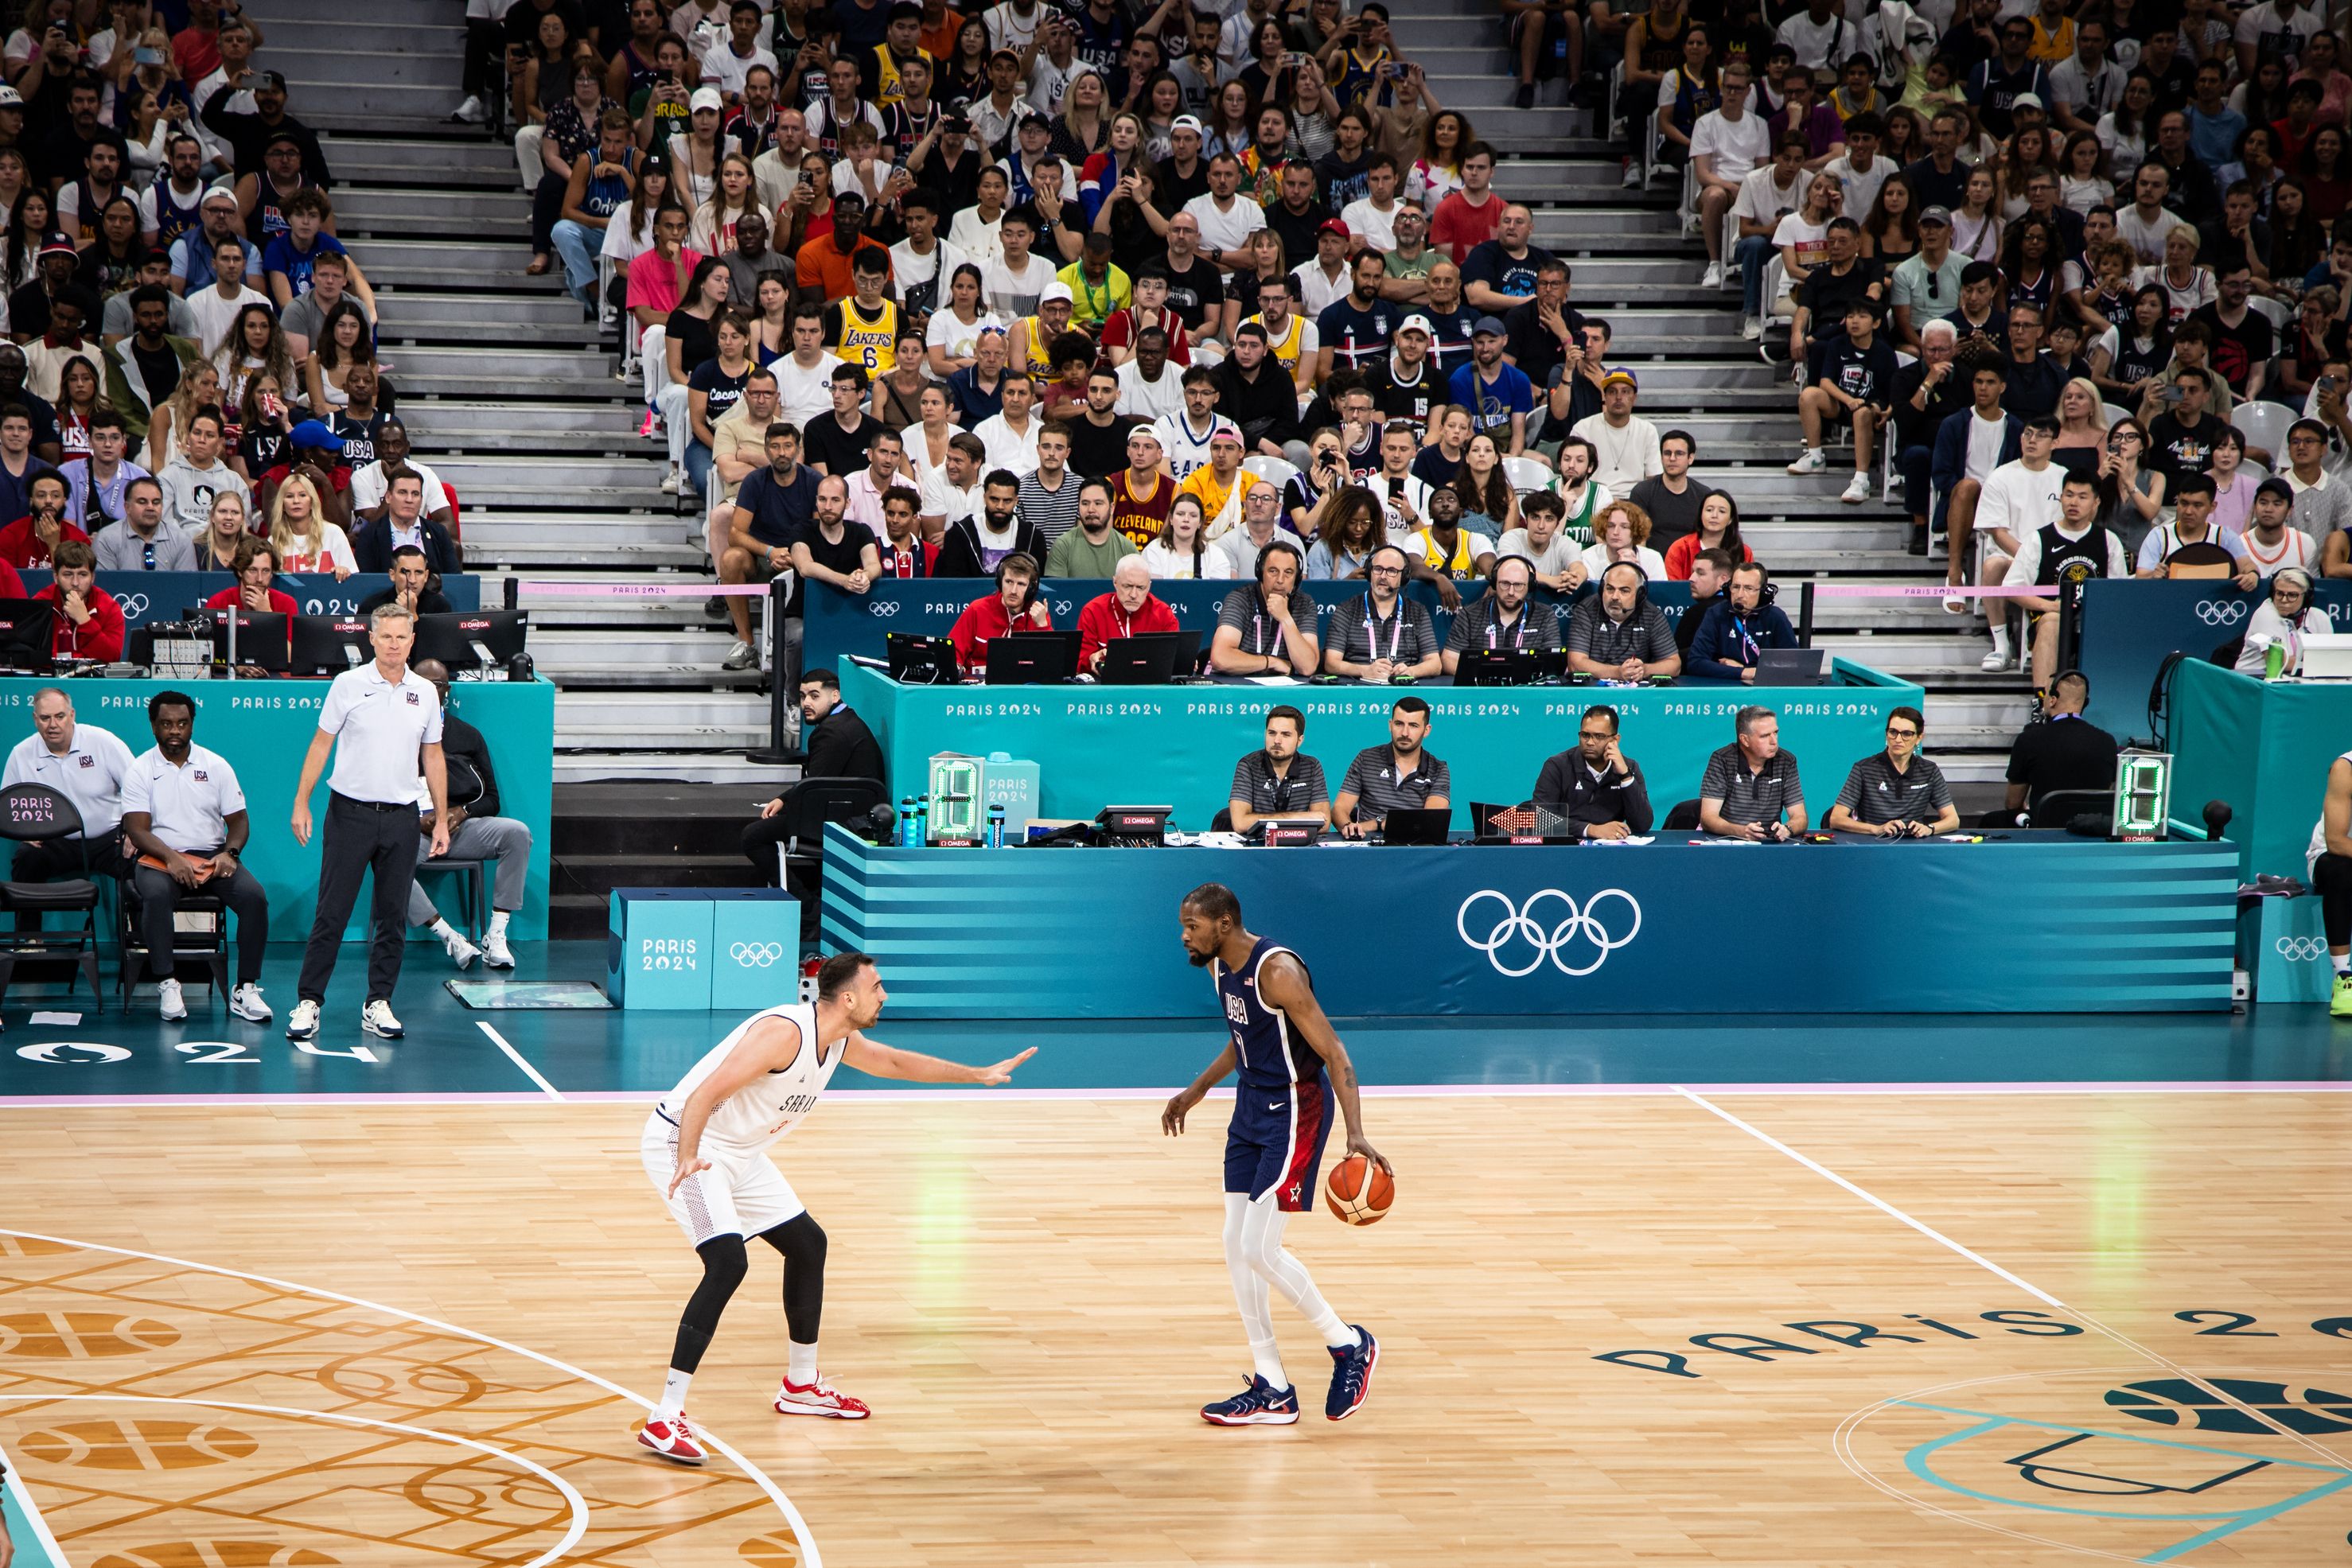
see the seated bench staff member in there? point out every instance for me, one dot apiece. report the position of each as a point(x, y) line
point(85, 763)
point(1595, 787)
point(1896, 793)
point(1383, 634)
point(1501, 619)
point(1268, 629)
point(183, 808)
point(1403, 773)
point(1279, 783)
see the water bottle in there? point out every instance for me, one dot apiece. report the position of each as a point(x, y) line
point(996, 827)
point(906, 821)
point(922, 822)
point(2274, 661)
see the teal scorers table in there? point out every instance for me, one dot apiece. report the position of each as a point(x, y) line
point(1176, 746)
point(2264, 748)
point(263, 727)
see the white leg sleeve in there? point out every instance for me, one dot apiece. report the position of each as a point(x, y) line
point(1250, 1295)
point(1262, 1226)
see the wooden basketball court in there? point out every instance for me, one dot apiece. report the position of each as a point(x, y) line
point(1618, 1326)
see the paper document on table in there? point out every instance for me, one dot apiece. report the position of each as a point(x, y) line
point(1273, 680)
point(1628, 839)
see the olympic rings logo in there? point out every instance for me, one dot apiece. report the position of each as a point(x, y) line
point(2220, 612)
point(1517, 926)
point(135, 605)
point(756, 955)
point(885, 608)
point(2301, 949)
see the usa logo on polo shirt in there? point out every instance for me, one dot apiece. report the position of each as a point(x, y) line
point(201, 778)
point(411, 696)
point(87, 761)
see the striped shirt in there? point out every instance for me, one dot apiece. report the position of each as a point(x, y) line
point(1052, 512)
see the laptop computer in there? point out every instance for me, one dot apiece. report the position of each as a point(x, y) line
point(1149, 659)
point(1411, 825)
point(1032, 658)
point(1509, 666)
point(1792, 667)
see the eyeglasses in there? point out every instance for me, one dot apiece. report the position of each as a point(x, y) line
point(1902, 732)
point(1594, 735)
point(1386, 571)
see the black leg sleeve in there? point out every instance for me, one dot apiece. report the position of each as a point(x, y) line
point(802, 1241)
point(2331, 875)
point(723, 1268)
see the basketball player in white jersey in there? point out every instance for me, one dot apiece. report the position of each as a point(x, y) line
point(706, 1150)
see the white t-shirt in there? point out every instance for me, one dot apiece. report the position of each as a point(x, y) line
point(2146, 239)
point(1986, 437)
point(1860, 185)
point(1762, 202)
point(976, 238)
point(2098, 92)
point(943, 499)
point(1009, 29)
point(214, 316)
point(2261, 27)
point(1628, 457)
point(378, 727)
point(1226, 230)
point(1166, 563)
point(1141, 398)
point(804, 395)
point(1370, 225)
point(1008, 448)
point(1810, 239)
point(1011, 294)
point(909, 270)
point(1595, 561)
point(960, 341)
point(368, 488)
point(724, 70)
point(2021, 502)
point(1737, 146)
point(1819, 44)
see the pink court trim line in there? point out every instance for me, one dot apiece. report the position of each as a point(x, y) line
point(648, 590)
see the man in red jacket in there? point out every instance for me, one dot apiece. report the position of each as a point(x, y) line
point(256, 582)
point(1129, 609)
point(31, 539)
point(89, 623)
point(1008, 609)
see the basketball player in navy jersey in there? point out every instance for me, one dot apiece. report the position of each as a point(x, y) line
point(705, 1147)
point(1293, 1068)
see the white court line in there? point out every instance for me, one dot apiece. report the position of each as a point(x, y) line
point(518, 1059)
point(575, 1506)
point(2333, 1460)
point(13, 1483)
point(759, 1478)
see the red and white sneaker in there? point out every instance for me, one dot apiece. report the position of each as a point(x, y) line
point(818, 1398)
point(674, 1439)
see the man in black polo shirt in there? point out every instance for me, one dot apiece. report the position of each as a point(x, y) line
point(2064, 751)
point(1501, 620)
point(1400, 775)
point(1595, 787)
point(771, 506)
point(1896, 793)
point(2034, 378)
point(1618, 634)
point(1750, 785)
point(1280, 783)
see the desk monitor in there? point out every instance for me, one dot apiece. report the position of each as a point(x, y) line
point(1792, 667)
point(330, 644)
point(919, 661)
point(1032, 658)
point(1411, 825)
point(460, 639)
point(1149, 658)
point(27, 632)
point(1509, 666)
point(260, 637)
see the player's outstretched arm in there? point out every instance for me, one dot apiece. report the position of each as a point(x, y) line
point(1282, 983)
point(1172, 1120)
point(871, 1056)
point(769, 1046)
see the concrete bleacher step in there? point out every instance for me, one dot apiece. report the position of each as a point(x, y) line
point(584, 766)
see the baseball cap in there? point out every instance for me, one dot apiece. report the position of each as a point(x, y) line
point(274, 79)
point(1182, 122)
point(64, 248)
point(312, 432)
point(1057, 290)
point(10, 97)
point(1035, 119)
point(1416, 323)
point(2274, 486)
point(705, 98)
point(1620, 373)
point(1936, 215)
point(1489, 325)
point(218, 193)
point(1334, 226)
point(2026, 100)
point(283, 138)
point(1224, 431)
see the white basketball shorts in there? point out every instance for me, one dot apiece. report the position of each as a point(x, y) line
point(741, 1195)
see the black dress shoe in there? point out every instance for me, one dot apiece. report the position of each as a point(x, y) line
point(1918, 541)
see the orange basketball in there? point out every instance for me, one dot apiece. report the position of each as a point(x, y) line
point(1359, 1191)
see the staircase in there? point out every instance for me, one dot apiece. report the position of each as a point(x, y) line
point(510, 396)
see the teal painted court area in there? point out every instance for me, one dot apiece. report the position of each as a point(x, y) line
point(447, 1053)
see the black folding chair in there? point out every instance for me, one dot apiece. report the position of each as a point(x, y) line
point(35, 811)
point(2065, 808)
point(815, 802)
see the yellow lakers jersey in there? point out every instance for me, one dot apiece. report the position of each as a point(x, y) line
point(871, 341)
point(1041, 357)
point(1285, 348)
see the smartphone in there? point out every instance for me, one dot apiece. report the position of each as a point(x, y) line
point(2326, 384)
point(146, 56)
point(2169, 394)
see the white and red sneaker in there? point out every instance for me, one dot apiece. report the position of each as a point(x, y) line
point(674, 1438)
point(818, 1398)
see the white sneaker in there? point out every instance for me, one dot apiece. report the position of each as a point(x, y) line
point(302, 1023)
point(1857, 489)
point(741, 656)
point(376, 1018)
point(1996, 660)
point(1751, 327)
point(1713, 276)
point(495, 953)
point(469, 113)
point(169, 1002)
point(246, 1003)
point(1631, 176)
point(1893, 489)
point(1813, 461)
point(461, 952)
point(671, 481)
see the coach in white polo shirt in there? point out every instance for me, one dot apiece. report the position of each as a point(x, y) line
point(183, 812)
point(86, 765)
point(383, 722)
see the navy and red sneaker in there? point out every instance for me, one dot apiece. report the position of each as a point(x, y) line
point(1351, 1375)
point(1259, 1404)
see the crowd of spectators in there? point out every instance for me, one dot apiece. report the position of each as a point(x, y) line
point(187, 352)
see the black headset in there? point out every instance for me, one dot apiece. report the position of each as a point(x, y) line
point(1640, 590)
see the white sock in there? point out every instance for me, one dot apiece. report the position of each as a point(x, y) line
point(499, 918)
point(2343, 962)
point(441, 928)
point(800, 1363)
point(2000, 641)
point(673, 1399)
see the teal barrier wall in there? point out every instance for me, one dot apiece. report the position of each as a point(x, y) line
point(264, 727)
point(1866, 927)
point(2129, 626)
point(838, 623)
point(2264, 748)
point(1096, 746)
point(150, 596)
